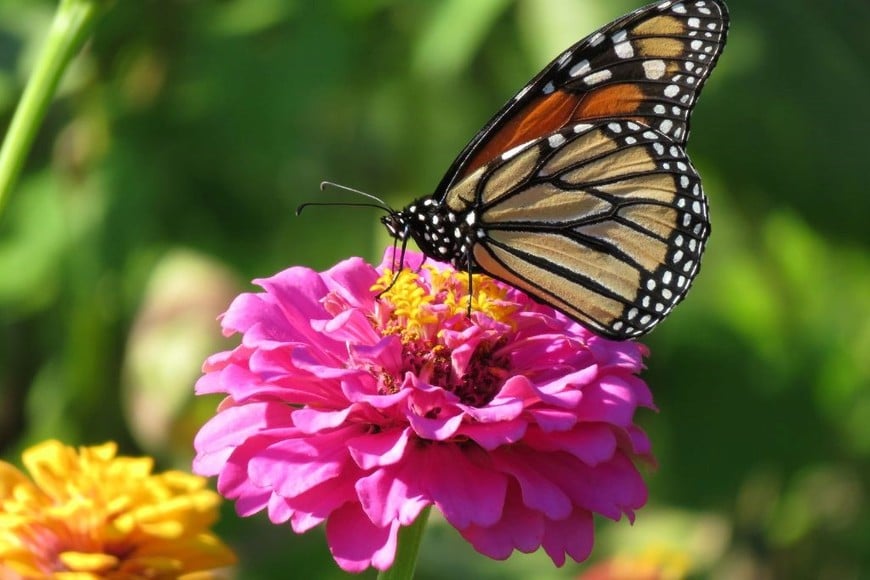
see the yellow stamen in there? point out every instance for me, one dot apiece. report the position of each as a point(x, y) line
point(417, 303)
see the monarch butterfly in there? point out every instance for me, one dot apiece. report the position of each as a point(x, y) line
point(579, 191)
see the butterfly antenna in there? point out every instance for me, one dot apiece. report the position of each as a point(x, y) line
point(380, 204)
point(383, 204)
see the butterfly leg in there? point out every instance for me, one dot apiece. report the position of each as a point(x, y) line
point(395, 245)
point(470, 279)
point(396, 270)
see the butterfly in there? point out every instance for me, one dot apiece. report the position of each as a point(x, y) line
point(579, 190)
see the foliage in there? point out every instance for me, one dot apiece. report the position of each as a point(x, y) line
point(168, 169)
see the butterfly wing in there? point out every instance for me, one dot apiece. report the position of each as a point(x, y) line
point(648, 66)
point(605, 221)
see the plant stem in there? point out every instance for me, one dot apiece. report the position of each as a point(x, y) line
point(407, 549)
point(69, 30)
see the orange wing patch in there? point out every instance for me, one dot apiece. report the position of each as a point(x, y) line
point(664, 25)
point(540, 117)
point(615, 100)
point(555, 111)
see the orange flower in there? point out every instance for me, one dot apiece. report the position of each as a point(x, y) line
point(90, 514)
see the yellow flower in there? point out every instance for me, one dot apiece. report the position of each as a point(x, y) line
point(90, 514)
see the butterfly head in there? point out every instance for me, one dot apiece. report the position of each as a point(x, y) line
point(396, 223)
point(439, 233)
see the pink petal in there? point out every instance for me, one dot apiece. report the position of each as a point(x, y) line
point(235, 425)
point(538, 492)
point(217, 361)
point(378, 449)
point(573, 536)
point(350, 326)
point(352, 279)
point(493, 435)
point(612, 400)
point(447, 472)
point(496, 411)
point(316, 505)
point(250, 500)
point(519, 528)
point(391, 494)
point(591, 443)
point(298, 291)
point(439, 429)
point(294, 466)
point(310, 421)
point(356, 543)
point(279, 509)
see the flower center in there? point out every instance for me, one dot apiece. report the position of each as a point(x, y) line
point(429, 312)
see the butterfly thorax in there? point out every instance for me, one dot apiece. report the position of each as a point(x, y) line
point(439, 232)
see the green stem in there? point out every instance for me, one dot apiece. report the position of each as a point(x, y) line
point(70, 28)
point(407, 550)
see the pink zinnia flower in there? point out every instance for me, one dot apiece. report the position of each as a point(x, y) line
point(360, 411)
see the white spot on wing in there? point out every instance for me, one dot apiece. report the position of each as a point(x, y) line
point(597, 77)
point(580, 68)
point(654, 69)
point(514, 150)
point(624, 50)
point(555, 140)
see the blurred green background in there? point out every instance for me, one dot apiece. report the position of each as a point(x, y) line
point(168, 169)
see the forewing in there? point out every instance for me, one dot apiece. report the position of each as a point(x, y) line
point(648, 66)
